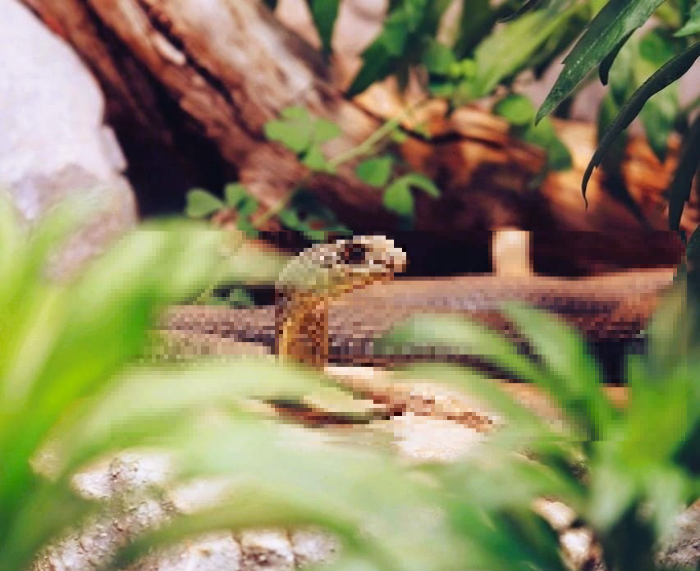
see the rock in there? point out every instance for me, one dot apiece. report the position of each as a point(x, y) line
point(135, 491)
point(54, 143)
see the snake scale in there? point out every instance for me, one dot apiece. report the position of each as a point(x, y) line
point(335, 300)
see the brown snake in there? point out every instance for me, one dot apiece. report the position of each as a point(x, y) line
point(336, 299)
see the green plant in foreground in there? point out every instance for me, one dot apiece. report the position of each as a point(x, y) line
point(627, 473)
point(641, 465)
point(69, 379)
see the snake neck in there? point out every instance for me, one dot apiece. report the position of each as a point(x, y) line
point(302, 328)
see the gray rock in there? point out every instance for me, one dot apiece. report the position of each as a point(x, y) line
point(54, 144)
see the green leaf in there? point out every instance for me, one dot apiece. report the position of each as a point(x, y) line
point(405, 37)
point(666, 75)
point(314, 159)
point(235, 193)
point(604, 34)
point(290, 218)
point(324, 13)
point(576, 382)
point(247, 206)
point(688, 161)
point(692, 26)
point(476, 20)
point(510, 48)
point(247, 227)
point(375, 171)
point(606, 64)
point(377, 65)
point(438, 58)
point(516, 109)
point(379, 57)
point(398, 198)
point(421, 182)
point(659, 114)
point(202, 203)
point(544, 135)
point(295, 136)
point(325, 130)
point(464, 337)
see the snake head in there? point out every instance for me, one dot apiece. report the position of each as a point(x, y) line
point(330, 270)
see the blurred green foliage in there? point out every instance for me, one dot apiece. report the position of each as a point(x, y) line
point(70, 379)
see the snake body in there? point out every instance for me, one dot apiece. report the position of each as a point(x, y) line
point(336, 300)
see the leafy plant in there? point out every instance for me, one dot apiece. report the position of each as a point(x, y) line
point(304, 135)
point(519, 111)
point(70, 378)
point(490, 45)
point(641, 465)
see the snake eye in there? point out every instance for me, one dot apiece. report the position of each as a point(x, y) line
point(354, 254)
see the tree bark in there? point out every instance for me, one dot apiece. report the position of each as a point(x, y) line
point(195, 82)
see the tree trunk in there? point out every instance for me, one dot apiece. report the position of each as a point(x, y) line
point(191, 84)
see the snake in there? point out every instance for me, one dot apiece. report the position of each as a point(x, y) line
point(336, 301)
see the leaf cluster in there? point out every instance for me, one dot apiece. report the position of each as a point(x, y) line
point(490, 44)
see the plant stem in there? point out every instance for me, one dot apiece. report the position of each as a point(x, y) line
point(367, 146)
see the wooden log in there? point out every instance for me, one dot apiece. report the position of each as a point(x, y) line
point(191, 84)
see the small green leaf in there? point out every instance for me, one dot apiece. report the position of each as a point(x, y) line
point(202, 203)
point(398, 199)
point(247, 206)
point(692, 26)
point(377, 66)
point(605, 32)
point(290, 218)
point(606, 64)
point(544, 135)
point(666, 75)
point(235, 193)
point(246, 226)
point(517, 109)
point(422, 182)
point(314, 159)
point(375, 171)
point(325, 130)
point(379, 57)
point(296, 136)
point(476, 20)
point(324, 13)
point(438, 58)
point(658, 116)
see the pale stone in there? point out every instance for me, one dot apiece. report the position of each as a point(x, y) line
point(54, 143)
